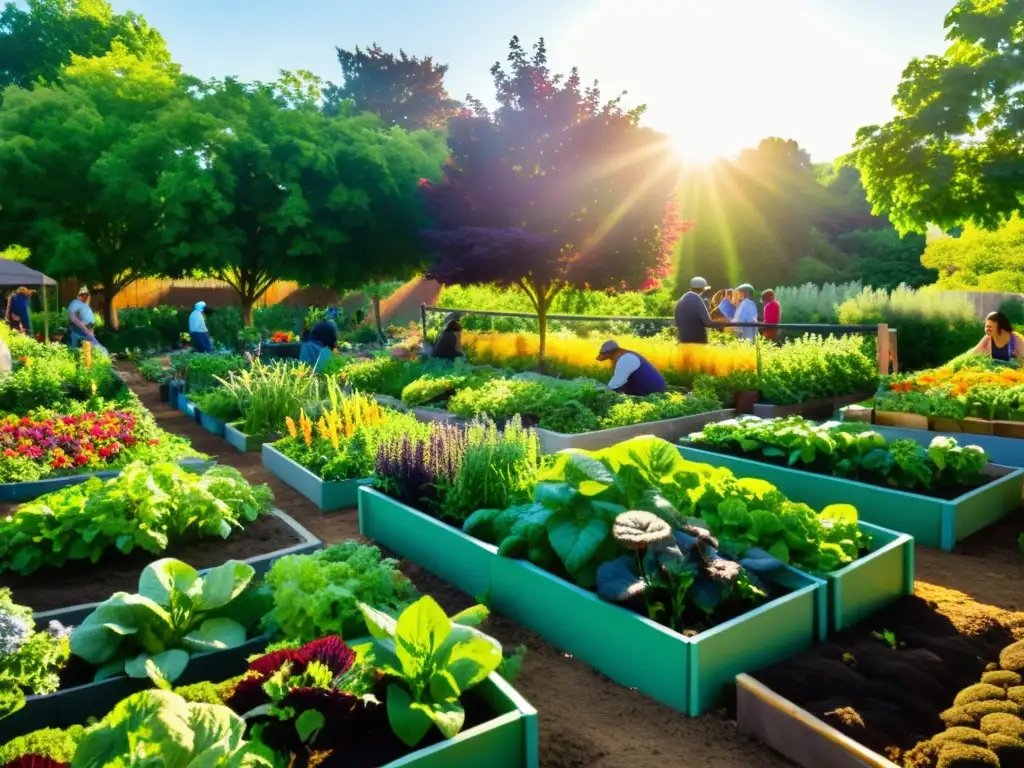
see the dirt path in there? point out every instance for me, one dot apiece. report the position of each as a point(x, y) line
point(585, 719)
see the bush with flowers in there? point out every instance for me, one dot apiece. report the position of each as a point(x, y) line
point(283, 337)
point(48, 443)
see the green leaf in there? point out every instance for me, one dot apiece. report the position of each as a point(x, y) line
point(448, 716)
point(846, 513)
point(224, 583)
point(215, 635)
point(420, 632)
point(97, 638)
point(779, 551)
point(554, 495)
point(309, 723)
point(473, 616)
point(409, 724)
point(163, 576)
point(472, 660)
point(576, 541)
point(381, 625)
point(170, 664)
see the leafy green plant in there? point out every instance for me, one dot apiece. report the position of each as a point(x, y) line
point(269, 394)
point(814, 367)
point(382, 375)
point(29, 660)
point(145, 507)
point(176, 614)
point(670, 571)
point(432, 660)
point(512, 664)
point(159, 727)
point(219, 402)
point(319, 594)
point(55, 744)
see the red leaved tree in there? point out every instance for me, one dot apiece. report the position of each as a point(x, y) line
point(554, 189)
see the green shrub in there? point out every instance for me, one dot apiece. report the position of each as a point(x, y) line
point(932, 328)
point(1012, 657)
point(55, 743)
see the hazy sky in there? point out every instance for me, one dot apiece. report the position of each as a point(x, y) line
point(718, 75)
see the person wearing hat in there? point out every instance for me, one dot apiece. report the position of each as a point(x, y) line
point(449, 341)
point(746, 311)
point(319, 346)
point(81, 320)
point(197, 330)
point(692, 316)
point(19, 310)
point(633, 374)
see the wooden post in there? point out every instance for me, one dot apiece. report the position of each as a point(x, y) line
point(883, 349)
point(894, 351)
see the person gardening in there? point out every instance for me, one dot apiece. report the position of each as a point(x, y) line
point(692, 316)
point(81, 320)
point(197, 331)
point(746, 311)
point(322, 340)
point(19, 310)
point(633, 374)
point(449, 341)
point(1000, 341)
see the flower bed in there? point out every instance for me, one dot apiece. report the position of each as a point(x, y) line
point(936, 521)
point(53, 445)
point(328, 496)
point(830, 706)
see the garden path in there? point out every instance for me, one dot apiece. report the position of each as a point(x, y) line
point(587, 721)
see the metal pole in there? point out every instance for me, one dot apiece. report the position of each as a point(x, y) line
point(46, 314)
point(423, 319)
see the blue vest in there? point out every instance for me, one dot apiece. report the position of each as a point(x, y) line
point(645, 380)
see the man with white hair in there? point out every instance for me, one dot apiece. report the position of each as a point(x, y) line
point(692, 316)
point(197, 331)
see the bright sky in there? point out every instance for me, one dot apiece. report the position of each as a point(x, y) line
point(718, 75)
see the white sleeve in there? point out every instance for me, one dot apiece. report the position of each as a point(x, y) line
point(624, 368)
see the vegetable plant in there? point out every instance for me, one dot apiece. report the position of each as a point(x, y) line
point(269, 394)
point(29, 660)
point(176, 614)
point(145, 507)
point(319, 594)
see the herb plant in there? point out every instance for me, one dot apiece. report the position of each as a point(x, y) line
point(145, 507)
point(29, 660)
point(319, 594)
point(269, 394)
point(176, 614)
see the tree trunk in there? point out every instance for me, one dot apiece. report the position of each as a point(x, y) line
point(542, 328)
point(248, 302)
point(380, 326)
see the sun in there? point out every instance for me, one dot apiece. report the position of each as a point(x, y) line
point(695, 152)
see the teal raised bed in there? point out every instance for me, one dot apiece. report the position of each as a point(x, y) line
point(11, 493)
point(1005, 451)
point(328, 496)
point(930, 521)
point(212, 424)
point(691, 674)
point(666, 429)
point(243, 442)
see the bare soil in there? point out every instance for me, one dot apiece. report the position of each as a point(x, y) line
point(587, 720)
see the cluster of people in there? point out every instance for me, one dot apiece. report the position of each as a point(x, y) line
point(694, 313)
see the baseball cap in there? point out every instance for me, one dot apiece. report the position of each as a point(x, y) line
point(200, 305)
point(699, 283)
point(607, 348)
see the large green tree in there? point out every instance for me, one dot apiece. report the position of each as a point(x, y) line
point(980, 259)
point(38, 41)
point(402, 90)
point(279, 190)
point(955, 151)
point(82, 169)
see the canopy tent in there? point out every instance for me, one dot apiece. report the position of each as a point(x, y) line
point(16, 273)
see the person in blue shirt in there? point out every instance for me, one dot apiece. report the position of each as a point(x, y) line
point(726, 308)
point(746, 311)
point(633, 375)
point(19, 310)
point(197, 331)
point(81, 320)
point(320, 343)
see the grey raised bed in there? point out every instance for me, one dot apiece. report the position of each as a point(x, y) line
point(328, 496)
point(795, 733)
point(75, 705)
point(243, 442)
point(667, 429)
point(11, 493)
point(823, 408)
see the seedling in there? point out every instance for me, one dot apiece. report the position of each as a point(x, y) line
point(888, 637)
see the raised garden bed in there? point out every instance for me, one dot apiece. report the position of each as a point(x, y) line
point(1005, 451)
point(243, 442)
point(285, 350)
point(83, 584)
point(875, 690)
point(823, 408)
point(211, 424)
point(667, 429)
point(931, 521)
point(187, 406)
point(328, 496)
point(692, 673)
point(11, 493)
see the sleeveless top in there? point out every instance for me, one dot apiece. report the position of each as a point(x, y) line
point(645, 380)
point(1004, 353)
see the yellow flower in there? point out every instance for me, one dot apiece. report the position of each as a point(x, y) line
point(307, 428)
point(290, 422)
point(87, 354)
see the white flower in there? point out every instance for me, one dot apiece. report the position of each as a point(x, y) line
point(14, 633)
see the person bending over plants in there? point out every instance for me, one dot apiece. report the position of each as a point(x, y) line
point(634, 375)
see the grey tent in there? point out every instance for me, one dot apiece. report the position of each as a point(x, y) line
point(16, 273)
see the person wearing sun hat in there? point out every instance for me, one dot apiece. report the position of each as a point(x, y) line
point(633, 375)
point(197, 330)
point(19, 310)
point(692, 316)
point(81, 320)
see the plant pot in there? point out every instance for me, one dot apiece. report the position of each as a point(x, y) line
point(857, 413)
point(745, 400)
point(165, 392)
point(901, 420)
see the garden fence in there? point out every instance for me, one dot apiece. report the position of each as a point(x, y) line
point(886, 346)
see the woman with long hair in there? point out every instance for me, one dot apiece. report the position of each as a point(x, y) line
point(1000, 341)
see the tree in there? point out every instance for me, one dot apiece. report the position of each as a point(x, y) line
point(955, 151)
point(882, 258)
point(979, 259)
point(402, 90)
point(280, 191)
point(555, 189)
point(37, 43)
point(752, 215)
point(376, 291)
point(82, 169)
